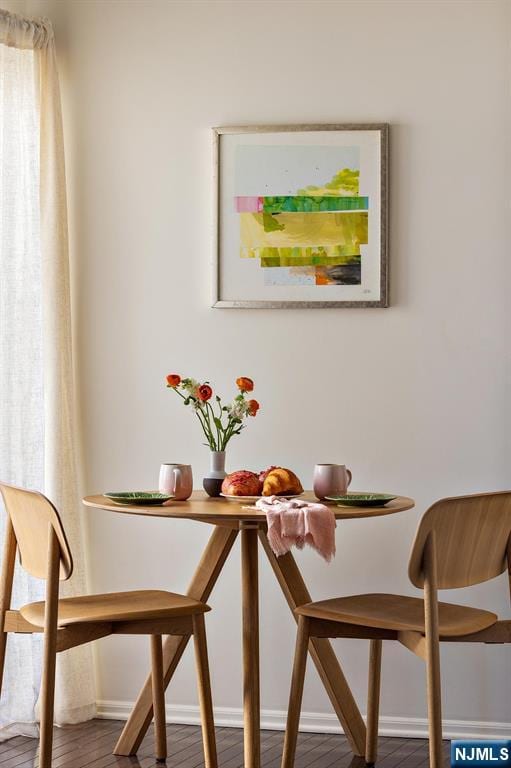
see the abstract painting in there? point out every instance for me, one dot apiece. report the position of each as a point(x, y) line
point(301, 217)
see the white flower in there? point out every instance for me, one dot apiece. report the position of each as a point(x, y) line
point(238, 409)
point(189, 385)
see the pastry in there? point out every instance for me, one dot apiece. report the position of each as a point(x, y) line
point(280, 481)
point(264, 474)
point(241, 483)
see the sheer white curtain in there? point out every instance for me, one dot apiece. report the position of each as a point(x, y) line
point(37, 439)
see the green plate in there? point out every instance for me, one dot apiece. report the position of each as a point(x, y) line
point(140, 498)
point(362, 499)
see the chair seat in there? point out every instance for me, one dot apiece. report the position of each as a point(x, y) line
point(399, 613)
point(117, 606)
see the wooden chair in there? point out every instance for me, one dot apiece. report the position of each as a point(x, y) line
point(35, 529)
point(459, 542)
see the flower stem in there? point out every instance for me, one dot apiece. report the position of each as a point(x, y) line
point(222, 428)
point(204, 424)
point(210, 408)
point(205, 429)
point(204, 420)
point(216, 433)
point(228, 433)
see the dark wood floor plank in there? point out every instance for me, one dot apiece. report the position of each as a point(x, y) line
point(331, 745)
point(322, 751)
point(83, 740)
point(224, 740)
point(271, 745)
point(65, 739)
point(187, 750)
point(15, 746)
point(90, 745)
point(175, 733)
point(340, 754)
point(86, 750)
point(404, 752)
point(305, 746)
point(191, 756)
point(18, 760)
point(390, 753)
point(175, 746)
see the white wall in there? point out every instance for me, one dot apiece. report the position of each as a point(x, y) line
point(415, 398)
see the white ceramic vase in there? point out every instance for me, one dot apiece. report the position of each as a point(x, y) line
point(212, 483)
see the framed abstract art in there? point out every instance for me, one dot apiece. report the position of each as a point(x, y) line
point(301, 216)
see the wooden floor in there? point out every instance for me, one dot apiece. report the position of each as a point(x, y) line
point(91, 744)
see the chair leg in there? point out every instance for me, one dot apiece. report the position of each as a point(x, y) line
point(49, 653)
point(47, 701)
point(373, 701)
point(204, 689)
point(436, 759)
point(3, 647)
point(296, 693)
point(158, 698)
point(433, 654)
point(6, 579)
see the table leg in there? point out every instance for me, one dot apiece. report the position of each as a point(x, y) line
point(250, 605)
point(339, 692)
point(204, 579)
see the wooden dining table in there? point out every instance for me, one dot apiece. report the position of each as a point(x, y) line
point(228, 520)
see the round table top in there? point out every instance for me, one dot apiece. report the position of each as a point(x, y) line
point(203, 508)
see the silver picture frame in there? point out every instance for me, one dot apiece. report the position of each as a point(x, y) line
point(218, 301)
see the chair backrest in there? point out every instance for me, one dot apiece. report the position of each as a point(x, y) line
point(472, 539)
point(31, 515)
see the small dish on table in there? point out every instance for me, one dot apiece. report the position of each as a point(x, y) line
point(138, 498)
point(362, 499)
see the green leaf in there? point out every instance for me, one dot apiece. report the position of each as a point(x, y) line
point(218, 423)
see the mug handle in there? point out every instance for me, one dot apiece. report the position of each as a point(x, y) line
point(348, 471)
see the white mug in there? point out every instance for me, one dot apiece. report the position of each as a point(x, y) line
point(176, 480)
point(331, 480)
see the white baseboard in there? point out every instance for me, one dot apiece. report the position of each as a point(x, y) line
point(316, 722)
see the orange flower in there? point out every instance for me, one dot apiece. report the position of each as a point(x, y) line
point(245, 384)
point(173, 380)
point(204, 392)
point(253, 407)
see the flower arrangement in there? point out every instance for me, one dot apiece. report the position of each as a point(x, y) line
point(218, 427)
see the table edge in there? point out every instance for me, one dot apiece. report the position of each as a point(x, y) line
point(170, 511)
